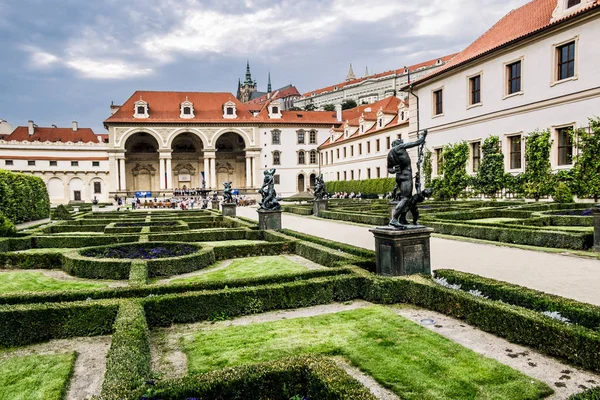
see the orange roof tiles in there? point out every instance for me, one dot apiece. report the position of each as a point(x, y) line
point(164, 107)
point(517, 24)
point(21, 134)
point(382, 74)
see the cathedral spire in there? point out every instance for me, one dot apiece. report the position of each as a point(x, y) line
point(351, 75)
point(248, 80)
point(269, 84)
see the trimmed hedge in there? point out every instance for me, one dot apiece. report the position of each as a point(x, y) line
point(297, 210)
point(208, 235)
point(138, 274)
point(358, 218)
point(23, 197)
point(308, 376)
point(253, 250)
point(128, 360)
point(589, 394)
point(366, 186)
point(346, 248)
point(580, 313)
point(64, 241)
point(181, 265)
point(21, 325)
point(198, 306)
point(48, 260)
point(61, 213)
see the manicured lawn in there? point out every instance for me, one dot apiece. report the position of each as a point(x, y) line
point(493, 220)
point(252, 267)
point(44, 377)
point(410, 360)
point(15, 281)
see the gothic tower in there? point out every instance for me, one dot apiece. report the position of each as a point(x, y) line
point(245, 91)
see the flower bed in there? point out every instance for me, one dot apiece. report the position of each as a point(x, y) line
point(146, 251)
point(574, 213)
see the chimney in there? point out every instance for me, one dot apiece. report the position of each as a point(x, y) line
point(54, 126)
point(338, 110)
point(30, 127)
point(75, 127)
point(99, 139)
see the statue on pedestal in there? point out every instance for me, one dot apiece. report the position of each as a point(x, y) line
point(319, 191)
point(227, 197)
point(399, 163)
point(268, 193)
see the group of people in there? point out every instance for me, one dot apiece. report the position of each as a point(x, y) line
point(345, 195)
point(181, 192)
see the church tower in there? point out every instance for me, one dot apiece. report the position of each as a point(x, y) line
point(351, 75)
point(245, 91)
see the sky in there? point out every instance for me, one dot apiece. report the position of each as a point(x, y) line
point(67, 60)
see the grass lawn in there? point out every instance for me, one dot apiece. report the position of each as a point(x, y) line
point(233, 243)
point(252, 267)
point(41, 377)
point(493, 220)
point(410, 360)
point(44, 250)
point(16, 281)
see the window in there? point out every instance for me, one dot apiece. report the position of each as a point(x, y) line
point(300, 137)
point(276, 179)
point(514, 77)
point(362, 128)
point(380, 121)
point(378, 172)
point(301, 157)
point(338, 153)
point(476, 155)
point(53, 163)
point(566, 61)
point(8, 162)
point(345, 176)
point(188, 110)
point(573, 3)
point(326, 157)
point(515, 152)
point(388, 143)
point(313, 157)
point(74, 163)
point(229, 111)
point(97, 187)
point(275, 110)
point(312, 137)
point(338, 176)
point(475, 89)
point(565, 146)
point(368, 147)
point(95, 163)
point(344, 152)
point(141, 110)
point(377, 145)
point(275, 137)
point(276, 158)
point(439, 162)
point(438, 105)
point(352, 175)
point(359, 149)
point(352, 151)
point(368, 173)
point(31, 163)
point(331, 156)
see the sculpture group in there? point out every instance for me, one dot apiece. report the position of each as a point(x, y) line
point(268, 193)
point(227, 193)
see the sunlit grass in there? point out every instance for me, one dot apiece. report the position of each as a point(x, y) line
point(16, 281)
point(410, 360)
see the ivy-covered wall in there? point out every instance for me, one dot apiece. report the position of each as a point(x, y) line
point(23, 197)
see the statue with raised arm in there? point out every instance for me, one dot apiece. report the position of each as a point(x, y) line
point(227, 197)
point(268, 193)
point(399, 163)
point(319, 191)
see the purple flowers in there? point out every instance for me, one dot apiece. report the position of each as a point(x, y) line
point(145, 251)
point(575, 213)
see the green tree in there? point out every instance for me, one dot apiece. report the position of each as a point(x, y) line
point(310, 107)
point(586, 170)
point(539, 180)
point(329, 107)
point(455, 178)
point(349, 104)
point(490, 177)
point(427, 168)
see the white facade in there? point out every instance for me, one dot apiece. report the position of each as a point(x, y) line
point(543, 101)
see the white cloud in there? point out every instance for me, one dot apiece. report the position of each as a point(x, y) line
point(106, 69)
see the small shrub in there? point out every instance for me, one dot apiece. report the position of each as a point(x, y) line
point(61, 213)
point(7, 228)
point(563, 194)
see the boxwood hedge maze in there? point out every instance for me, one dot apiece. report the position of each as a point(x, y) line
point(194, 305)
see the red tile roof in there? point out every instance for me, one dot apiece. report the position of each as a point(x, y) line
point(399, 71)
point(278, 94)
point(164, 107)
point(64, 135)
point(529, 19)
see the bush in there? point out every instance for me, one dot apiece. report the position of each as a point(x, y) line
point(23, 197)
point(366, 186)
point(7, 228)
point(61, 213)
point(128, 360)
point(562, 194)
point(490, 177)
point(589, 394)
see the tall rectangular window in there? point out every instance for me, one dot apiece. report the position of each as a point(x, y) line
point(438, 102)
point(345, 153)
point(566, 61)
point(338, 153)
point(312, 137)
point(514, 77)
point(301, 137)
point(475, 89)
point(565, 146)
point(360, 149)
point(388, 143)
point(515, 151)
point(352, 151)
point(476, 155)
point(313, 157)
point(97, 187)
point(352, 175)
point(276, 179)
point(439, 161)
point(378, 172)
point(338, 176)
point(377, 145)
point(301, 157)
point(368, 147)
point(276, 137)
point(345, 176)
point(368, 173)
point(276, 158)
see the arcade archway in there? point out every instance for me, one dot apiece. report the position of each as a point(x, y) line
point(141, 163)
point(230, 160)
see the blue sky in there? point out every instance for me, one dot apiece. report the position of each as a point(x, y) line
point(65, 60)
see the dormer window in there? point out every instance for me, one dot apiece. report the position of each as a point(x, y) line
point(186, 109)
point(140, 109)
point(275, 110)
point(229, 110)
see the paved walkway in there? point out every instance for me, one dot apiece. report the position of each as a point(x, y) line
point(568, 276)
point(30, 224)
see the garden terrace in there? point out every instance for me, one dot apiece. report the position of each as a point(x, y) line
point(158, 319)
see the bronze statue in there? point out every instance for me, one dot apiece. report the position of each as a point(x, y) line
point(227, 197)
point(319, 191)
point(268, 193)
point(399, 163)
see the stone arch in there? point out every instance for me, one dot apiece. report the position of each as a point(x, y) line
point(103, 195)
point(142, 162)
point(244, 135)
point(197, 132)
point(120, 145)
point(56, 189)
point(301, 182)
point(77, 190)
point(230, 159)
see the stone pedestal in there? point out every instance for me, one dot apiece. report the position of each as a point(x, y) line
point(269, 220)
point(229, 209)
point(318, 206)
point(596, 212)
point(402, 252)
point(215, 204)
